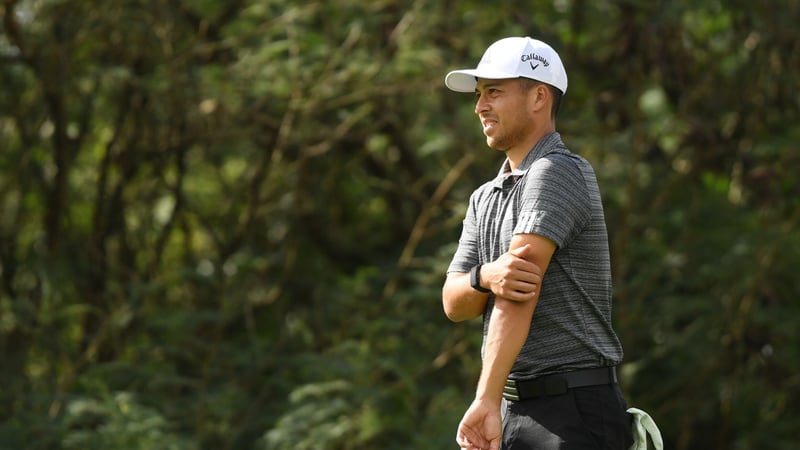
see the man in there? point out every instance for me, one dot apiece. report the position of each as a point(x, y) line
point(533, 259)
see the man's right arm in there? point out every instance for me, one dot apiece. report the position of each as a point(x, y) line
point(511, 277)
point(460, 301)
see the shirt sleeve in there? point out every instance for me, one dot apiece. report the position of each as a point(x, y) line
point(554, 201)
point(467, 253)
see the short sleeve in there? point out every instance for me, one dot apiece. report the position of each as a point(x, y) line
point(467, 253)
point(554, 201)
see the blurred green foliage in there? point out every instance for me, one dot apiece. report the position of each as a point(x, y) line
point(225, 224)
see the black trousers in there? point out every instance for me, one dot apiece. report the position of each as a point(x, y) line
point(585, 418)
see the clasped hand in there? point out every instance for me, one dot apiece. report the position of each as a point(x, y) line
point(513, 276)
point(481, 427)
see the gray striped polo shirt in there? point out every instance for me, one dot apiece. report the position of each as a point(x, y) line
point(553, 193)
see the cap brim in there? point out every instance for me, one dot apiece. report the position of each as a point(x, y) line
point(466, 80)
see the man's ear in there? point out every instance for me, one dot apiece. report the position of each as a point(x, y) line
point(540, 98)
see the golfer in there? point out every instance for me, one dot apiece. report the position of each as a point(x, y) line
point(533, 260)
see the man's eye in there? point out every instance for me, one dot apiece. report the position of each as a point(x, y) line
point(491, 92)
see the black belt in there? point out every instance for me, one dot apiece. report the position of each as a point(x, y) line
point(558, 383)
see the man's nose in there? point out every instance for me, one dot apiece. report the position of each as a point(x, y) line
point(481, 105)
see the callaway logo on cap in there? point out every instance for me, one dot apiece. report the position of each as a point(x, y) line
point(513, 57)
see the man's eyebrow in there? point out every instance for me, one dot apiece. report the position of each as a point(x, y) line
point(488, 84)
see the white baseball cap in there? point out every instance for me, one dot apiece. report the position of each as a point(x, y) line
point(513, 57)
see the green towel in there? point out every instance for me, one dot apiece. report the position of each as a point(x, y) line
point(643, 425)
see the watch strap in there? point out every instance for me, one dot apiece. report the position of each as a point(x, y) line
point(475, 280)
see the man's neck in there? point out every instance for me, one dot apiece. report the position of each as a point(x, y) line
point(518, 153)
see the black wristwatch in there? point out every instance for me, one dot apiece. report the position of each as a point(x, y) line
point(475, 280)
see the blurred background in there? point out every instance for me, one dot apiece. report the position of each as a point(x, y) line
point(225, 224)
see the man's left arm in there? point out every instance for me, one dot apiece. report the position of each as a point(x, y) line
point(508, 329)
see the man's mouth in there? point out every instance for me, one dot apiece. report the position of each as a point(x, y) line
point(488, 124)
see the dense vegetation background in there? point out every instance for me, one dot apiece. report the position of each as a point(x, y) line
point(224, 224)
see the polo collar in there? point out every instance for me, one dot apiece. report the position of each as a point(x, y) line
point(549, 143)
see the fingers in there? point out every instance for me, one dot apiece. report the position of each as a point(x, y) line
point(525, 252)
point(520, 263)
point(469, 439)
point(517, 285)
point(516, 291)
point(522, 294)
point(465, 444)
point(525, 277)
point(521, 251)
point(527, 269)
point(509, 269)
point(480, 428)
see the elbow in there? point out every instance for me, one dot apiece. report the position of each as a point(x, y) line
point(458, 303)
point(453, 308)
point(454, 315)
point(450, 309)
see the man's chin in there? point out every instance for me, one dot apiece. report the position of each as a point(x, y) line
point(491, 143)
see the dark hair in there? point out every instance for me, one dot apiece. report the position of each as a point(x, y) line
point(558, 96)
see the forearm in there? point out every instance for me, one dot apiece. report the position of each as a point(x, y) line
point(508, 329)
point(511, 320)
point(460, 300)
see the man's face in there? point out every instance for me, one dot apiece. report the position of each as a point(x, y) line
point(502, 106)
